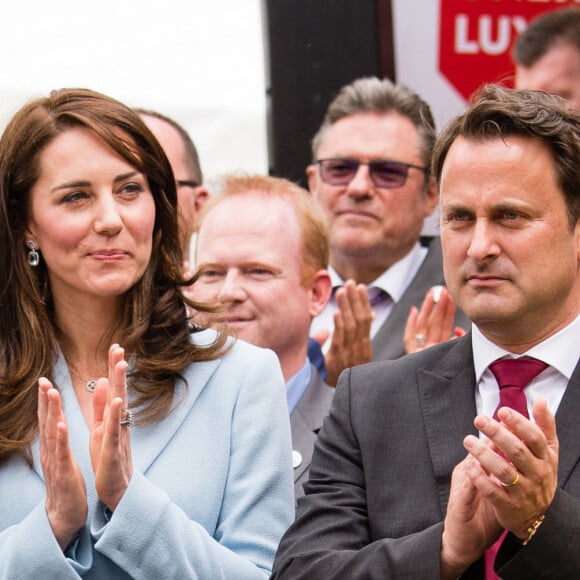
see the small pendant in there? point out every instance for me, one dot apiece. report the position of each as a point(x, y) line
point(90, 386)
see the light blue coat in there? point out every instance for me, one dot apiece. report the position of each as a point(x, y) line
point(210, 497)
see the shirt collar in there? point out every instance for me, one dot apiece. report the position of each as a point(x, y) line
point(554, 351)
point(296, 385)
point(397, 278)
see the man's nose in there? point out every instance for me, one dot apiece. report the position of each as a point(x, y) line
point(483, 244)
point(232, 288)
point(361, 185)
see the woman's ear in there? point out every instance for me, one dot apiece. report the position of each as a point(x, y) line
point(29, 234)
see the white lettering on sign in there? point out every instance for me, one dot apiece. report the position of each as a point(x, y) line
point(492, 37)
point(462, 43)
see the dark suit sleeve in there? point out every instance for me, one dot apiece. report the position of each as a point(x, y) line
point(333, 536)
point(553, 551)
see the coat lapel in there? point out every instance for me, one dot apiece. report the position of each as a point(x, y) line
point(388, 342)
point(447, 398)
point(148, 442)
point(568, 427)
point(307, 418)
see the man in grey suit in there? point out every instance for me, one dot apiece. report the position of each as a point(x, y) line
point(371, 175)
point(262, 249)
point(424, 468)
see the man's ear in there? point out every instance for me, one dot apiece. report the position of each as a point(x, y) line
point(320, 291)
point(311, 175)
point(431, 196)
point(200, 196)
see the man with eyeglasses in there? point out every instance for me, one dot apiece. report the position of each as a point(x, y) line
point(184, 160)
point(371, 174)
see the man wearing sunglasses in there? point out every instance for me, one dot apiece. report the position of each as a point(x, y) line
point(371, 175)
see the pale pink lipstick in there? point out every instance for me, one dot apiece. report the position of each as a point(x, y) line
point(112, 255)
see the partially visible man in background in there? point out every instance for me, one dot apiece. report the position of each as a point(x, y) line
point(262, 249)
point(547, 55)
point(184, 160)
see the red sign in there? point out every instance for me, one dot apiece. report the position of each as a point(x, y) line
point(476, 37)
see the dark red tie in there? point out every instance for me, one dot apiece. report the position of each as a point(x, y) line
point(512, 375)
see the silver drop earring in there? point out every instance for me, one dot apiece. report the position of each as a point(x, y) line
point(33, 255)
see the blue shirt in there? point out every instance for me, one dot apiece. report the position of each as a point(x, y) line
point(296, 385)
point(316, 357)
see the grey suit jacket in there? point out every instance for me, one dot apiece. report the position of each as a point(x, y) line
point(305, 423)
point(388, 341)
point(380, 477)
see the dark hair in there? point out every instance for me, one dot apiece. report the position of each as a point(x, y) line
point(154, 325)
point(499, 113)
point(374, 95)
point(544, 33)
point(190, 148)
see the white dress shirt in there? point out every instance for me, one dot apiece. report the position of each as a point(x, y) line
point(549, 384)
point(394, 282)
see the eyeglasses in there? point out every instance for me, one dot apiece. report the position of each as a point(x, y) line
point(384, 174)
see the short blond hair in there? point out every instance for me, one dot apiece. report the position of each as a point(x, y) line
point(311, 218)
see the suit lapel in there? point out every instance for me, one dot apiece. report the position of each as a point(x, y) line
point(314, 404)
point(448, 419)
point(307, 418)
point(388, 342)
point(568, 428)
point(447, 398)
point(302, 443)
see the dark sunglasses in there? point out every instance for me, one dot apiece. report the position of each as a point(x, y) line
point(384, 174)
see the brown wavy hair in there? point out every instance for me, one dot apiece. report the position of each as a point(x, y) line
point(499, 113)
point(154, 327)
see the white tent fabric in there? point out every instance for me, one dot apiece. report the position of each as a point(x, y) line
point(199, 62)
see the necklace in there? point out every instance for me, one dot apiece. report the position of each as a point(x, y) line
point(89, 384)
point(87, 370)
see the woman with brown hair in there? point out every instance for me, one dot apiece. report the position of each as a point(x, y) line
point(166, 457)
